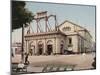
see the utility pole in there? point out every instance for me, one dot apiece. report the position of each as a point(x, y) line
point(22, 53)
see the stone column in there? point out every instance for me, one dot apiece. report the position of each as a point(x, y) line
point(57, 45)
point(26, 46)
point(54, 46)
point(36, 47)
point(45, 47)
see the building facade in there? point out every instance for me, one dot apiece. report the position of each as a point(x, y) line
point(67, 37)
point(16, 48)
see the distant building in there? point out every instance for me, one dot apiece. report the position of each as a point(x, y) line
point(16, 48)
point(67, 37)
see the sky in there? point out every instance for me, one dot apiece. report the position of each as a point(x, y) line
point(82, 15)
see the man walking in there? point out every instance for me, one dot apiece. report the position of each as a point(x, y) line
point(26, 58)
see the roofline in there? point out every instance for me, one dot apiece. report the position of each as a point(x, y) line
point(44, 33)
point(71, 23)
point(86, 31)
point(76, 25)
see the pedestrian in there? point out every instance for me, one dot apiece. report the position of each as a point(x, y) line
point(20, 66)
point(26, 58)
point(12, 53)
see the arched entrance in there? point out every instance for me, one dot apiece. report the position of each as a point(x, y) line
point(32, 48)
point(62, 47)
point(49, 47)
point(40, 48)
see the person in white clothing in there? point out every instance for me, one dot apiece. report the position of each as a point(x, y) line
point(20, 66)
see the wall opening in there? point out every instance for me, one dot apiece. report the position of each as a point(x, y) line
point(49, 49)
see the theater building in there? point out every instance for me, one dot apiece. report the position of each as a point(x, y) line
point(67, 37)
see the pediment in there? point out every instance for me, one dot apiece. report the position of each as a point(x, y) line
point(67, 27)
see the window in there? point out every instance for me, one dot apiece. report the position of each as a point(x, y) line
point(70, 40)
point(66, 28)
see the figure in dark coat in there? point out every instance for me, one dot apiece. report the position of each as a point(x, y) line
point(26, 59)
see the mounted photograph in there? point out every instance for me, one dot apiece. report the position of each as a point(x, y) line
point(52, 37)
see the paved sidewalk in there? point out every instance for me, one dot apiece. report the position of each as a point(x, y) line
point(82, 61)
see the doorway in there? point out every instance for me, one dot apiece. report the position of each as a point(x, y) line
point(40, 49)
point(49, 49)
point(61, 49)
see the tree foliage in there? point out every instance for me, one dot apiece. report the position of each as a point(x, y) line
point(20, 15)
